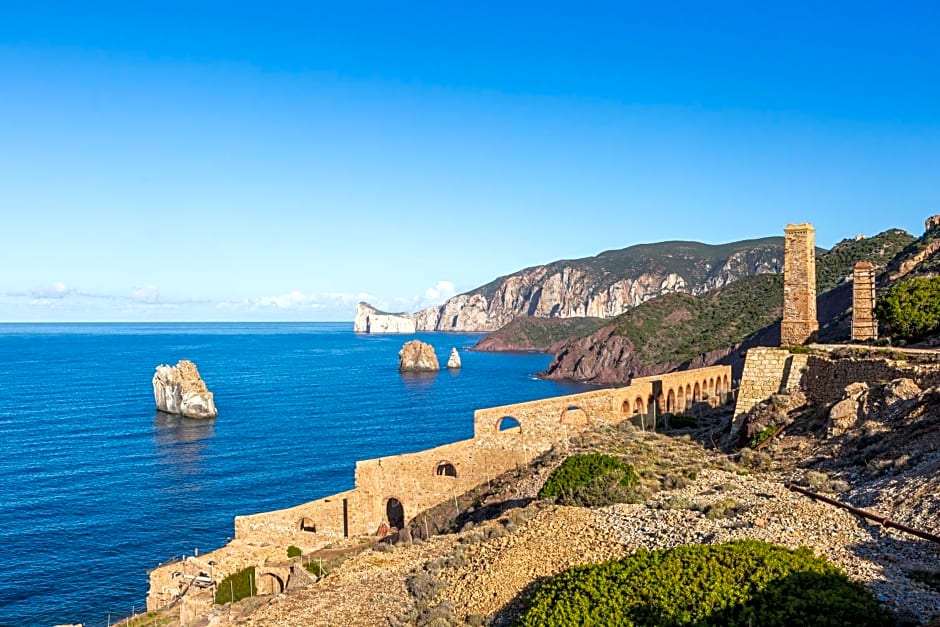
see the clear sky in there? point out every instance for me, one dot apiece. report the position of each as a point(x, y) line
point(280, 161)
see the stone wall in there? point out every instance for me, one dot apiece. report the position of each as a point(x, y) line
point(767, 371)
point(421, 480)
point(799, 324)
point(826, 379)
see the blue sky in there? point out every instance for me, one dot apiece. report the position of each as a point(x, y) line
point(280, 161)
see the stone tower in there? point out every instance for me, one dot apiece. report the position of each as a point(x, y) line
point(864, 325)
point(799, 325)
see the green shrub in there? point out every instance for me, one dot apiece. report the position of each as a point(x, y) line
point(591, 480)
point(765, 434)
point(740, 584)
point(314, 567)
point(293, 551)
point(910, 310)
point(236, 586)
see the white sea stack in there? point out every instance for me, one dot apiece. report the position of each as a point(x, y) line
point(180, 390)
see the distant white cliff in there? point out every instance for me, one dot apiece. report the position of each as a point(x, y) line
point(371, 320)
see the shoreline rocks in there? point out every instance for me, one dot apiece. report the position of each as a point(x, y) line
point(417, 356)
point(180, 390)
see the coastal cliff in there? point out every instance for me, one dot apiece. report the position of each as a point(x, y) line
point(371, 320)
point(180, 390)
point(605, 285)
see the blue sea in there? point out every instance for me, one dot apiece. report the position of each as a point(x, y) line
point(97, 487)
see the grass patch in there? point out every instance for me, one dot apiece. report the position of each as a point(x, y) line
point(236, 586)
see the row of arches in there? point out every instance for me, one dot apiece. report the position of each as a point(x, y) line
point(573, 416)
point(678, 399)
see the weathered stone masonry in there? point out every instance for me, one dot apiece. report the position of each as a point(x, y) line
point(799, 325)
point(864, 325)
point(414, 482)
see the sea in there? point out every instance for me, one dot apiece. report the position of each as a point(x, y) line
point(98, 487)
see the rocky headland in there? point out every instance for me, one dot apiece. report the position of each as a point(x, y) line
point(371, 320)
point(417, 356)
point(602, 286)
point(180, 390)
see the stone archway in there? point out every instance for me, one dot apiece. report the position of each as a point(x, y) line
point(507, 423)
point(395, 513)
point(688, 396)
point(574, 416)
point(696, 393)
point(680, 400)
point(671, 401)
point(270, 583)
point(639, 407)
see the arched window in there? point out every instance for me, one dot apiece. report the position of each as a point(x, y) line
point(446, 469)
point(507, 422)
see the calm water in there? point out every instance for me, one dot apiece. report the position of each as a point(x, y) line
point(97, 487)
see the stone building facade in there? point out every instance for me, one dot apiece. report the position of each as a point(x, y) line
point(864, 325)
point(799, 325)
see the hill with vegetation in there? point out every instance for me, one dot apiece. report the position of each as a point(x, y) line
point(682, 330)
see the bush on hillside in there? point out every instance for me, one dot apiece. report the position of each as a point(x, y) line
point(236, 586)
point(591, 480)
point(910, 310)
point(294, 551)
point(740, 583)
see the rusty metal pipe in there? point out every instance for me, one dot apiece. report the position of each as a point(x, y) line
point(881, 520)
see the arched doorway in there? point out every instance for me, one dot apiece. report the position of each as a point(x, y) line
point(639, 408)
point(395, 513)
point(671, 402)
point(269, 583)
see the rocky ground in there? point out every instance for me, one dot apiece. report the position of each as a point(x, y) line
point(483, 573)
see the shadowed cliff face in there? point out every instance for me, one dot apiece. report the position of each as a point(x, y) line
point(603, 286)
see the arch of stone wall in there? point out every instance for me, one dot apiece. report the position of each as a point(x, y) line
point(308, 524)
point(696, 393)
point(670, 401)
point(639, 407)
point(269, 582)
point(445, 468)
point(500, 428)
point(388, 513)
point(680, 400)
point(574, 416)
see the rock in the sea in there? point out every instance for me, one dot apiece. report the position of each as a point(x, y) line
point(417, 356)
point(454, 360)
point(371, 320)
point(180, 390)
